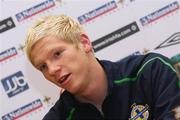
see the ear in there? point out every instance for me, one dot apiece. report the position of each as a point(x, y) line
point(86, 43)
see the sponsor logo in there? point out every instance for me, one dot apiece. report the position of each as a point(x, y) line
point(172, 40)
point(139, 112)
point(159, 13)
point(8, 54)
point(23, 110)
point(6, 24)
point(14, 84)
point(34, 10)
point(97, 12)
point(115, 36)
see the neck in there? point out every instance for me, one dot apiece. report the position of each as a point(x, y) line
point(96, 91)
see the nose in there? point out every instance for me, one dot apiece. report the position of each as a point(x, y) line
point(53, 69)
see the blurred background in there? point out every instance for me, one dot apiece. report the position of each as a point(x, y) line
point(117, 29)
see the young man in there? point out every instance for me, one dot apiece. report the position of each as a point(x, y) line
point(137, 87)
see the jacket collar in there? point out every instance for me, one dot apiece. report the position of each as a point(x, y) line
point(108, 69)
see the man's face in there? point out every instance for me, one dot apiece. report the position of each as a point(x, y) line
point(62, 63)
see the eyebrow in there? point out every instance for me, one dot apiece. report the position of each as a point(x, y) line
point(39, 62)
point(49, 52)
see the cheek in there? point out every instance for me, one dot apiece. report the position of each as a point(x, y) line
point(46, 76)
point(72, 57)
point(76, 61)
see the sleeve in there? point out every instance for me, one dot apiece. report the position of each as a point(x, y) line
point(58, 111)
point(51, 116)
point(63, 108)
point(164, 84)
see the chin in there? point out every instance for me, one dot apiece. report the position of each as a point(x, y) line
point(74, 91)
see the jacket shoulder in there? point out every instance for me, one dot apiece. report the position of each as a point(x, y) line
point(60, 109)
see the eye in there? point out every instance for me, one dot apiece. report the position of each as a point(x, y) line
point(42, 67)
point(57, 54)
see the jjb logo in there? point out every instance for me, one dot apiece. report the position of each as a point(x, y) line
point(14, 84)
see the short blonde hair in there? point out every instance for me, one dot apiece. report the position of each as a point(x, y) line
point(61, 26)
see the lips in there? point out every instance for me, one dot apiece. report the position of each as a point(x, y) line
point(64, 78)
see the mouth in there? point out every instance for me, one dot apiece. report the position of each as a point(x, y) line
point(64, 78)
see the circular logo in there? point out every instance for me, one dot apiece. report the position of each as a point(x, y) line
point(140, 112)
point(9, 23)
point(133, 27)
